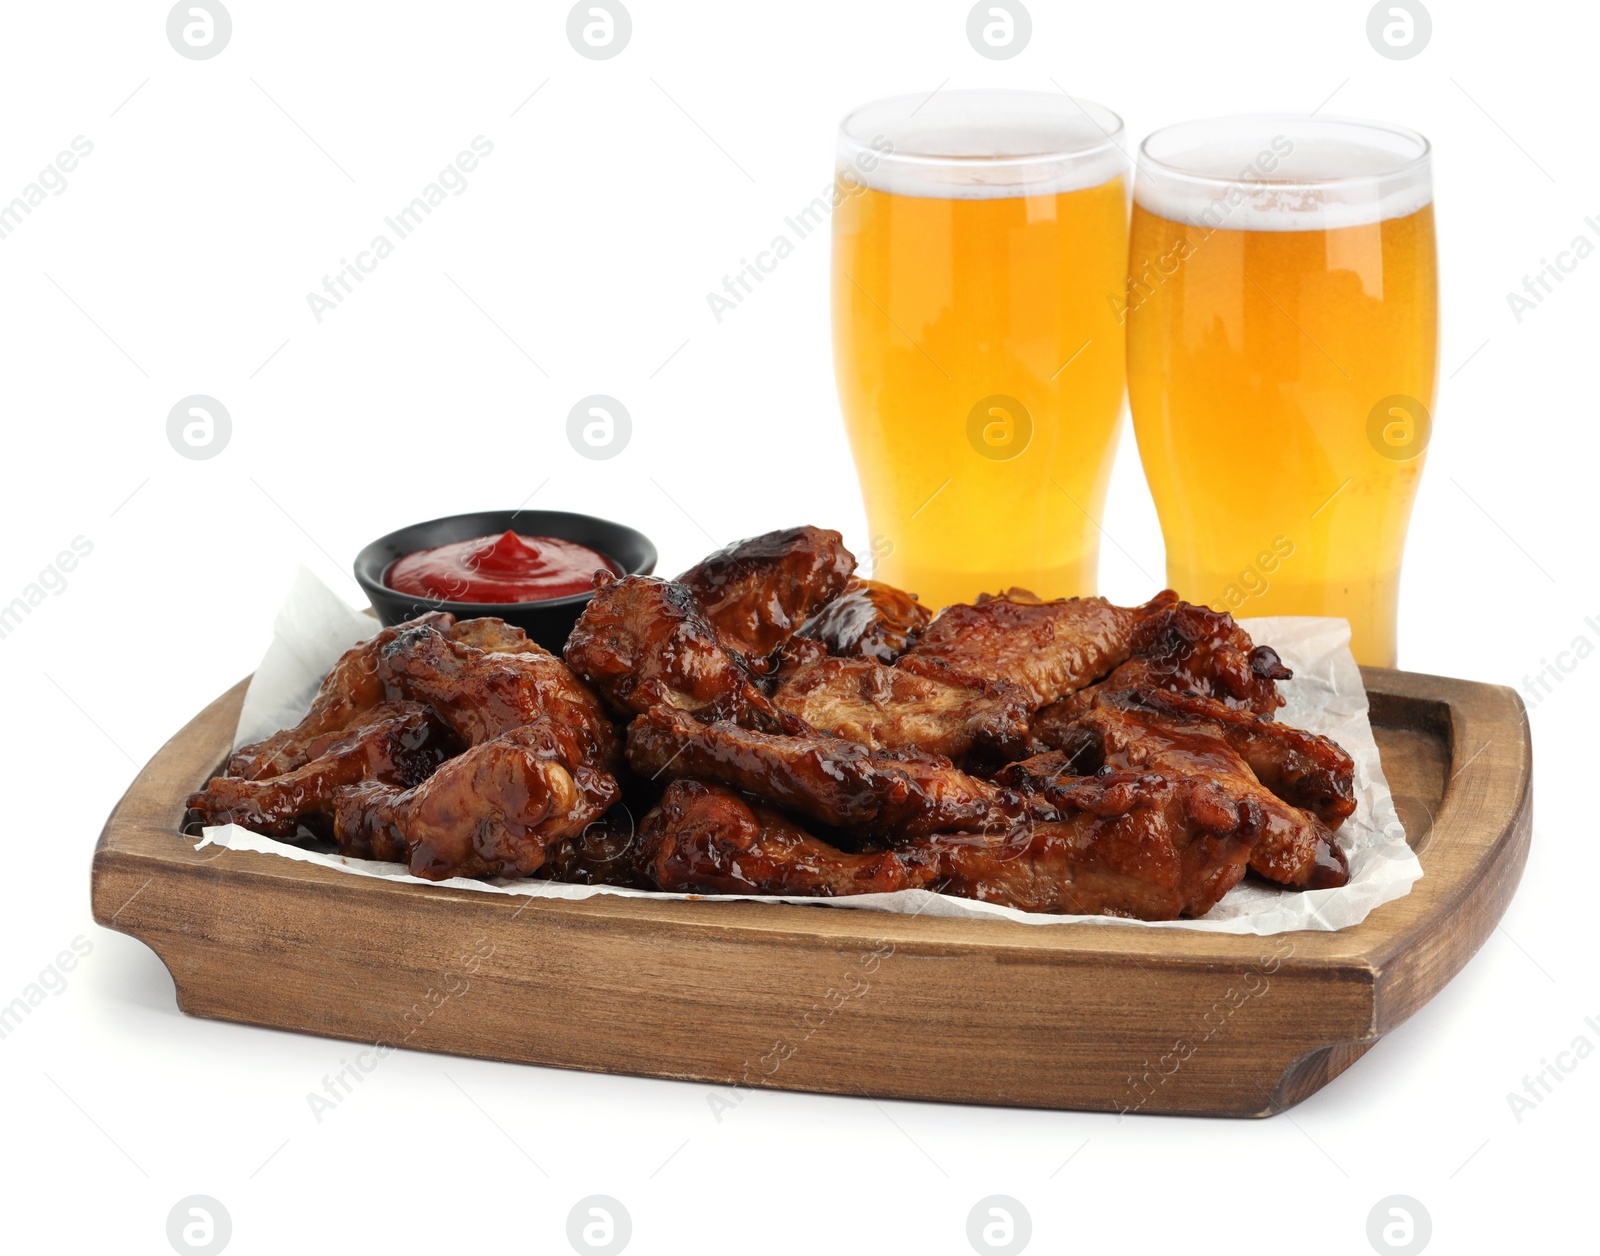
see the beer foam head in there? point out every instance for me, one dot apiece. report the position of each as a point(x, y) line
point(1283, 173)
point(977, 145)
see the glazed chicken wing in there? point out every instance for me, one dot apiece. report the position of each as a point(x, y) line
point(354, 685)
point(1048, 649)
point(1289, 846)
point(869, 620)
point(1127, 844)
point(645, 643)
point(350, 687)
point(707, 839)
point(930, 708)
point(882, 794)
point(757, 592)
point(484, 694)
point(492, 811)
point(1304, 769)
point(394, 743)
point(1193, 649)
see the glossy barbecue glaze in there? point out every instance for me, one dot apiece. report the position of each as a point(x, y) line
point(792, 730)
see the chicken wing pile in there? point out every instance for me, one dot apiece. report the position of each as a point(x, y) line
point(767, 723)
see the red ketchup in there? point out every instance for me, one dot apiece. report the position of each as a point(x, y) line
point(499, 569)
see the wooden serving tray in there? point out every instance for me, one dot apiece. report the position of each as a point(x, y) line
point(745, 994)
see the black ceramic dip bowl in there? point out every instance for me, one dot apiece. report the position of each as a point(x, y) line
point(548, 622)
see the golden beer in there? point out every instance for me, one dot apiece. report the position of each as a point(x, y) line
point(978, 353)
point(1282, 360)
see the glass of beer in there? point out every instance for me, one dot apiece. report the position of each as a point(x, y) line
point(1282, 321)
point(979, 261)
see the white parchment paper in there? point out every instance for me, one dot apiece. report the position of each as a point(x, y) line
point(1326, 696)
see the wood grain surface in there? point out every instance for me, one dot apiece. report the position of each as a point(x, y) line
point(736, 995)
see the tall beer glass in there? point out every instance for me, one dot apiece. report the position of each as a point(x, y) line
point(1282, 316)
point(979, 254)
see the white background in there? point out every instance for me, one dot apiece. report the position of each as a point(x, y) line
point(577, 261)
